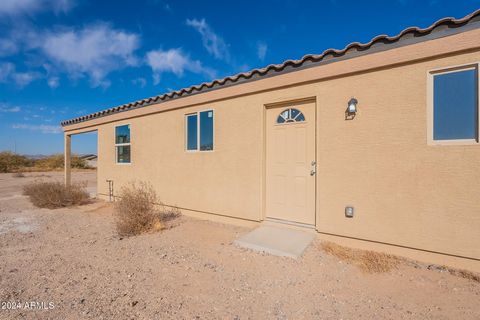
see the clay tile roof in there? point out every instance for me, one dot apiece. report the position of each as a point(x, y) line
point(440, 28)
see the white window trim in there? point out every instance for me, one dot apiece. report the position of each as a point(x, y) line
point(197, 113)
point(430, 107)
point(122, 144)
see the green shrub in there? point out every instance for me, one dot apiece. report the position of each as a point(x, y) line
point(55, 194)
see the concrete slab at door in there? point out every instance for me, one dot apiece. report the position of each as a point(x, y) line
point(284, 242)
point(290, 162)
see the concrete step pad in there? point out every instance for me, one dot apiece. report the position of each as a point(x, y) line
point(279, 241)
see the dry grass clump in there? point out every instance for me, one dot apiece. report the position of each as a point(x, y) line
point(461, 273)
point(465, 274)
point(57, 161)
point(18, 175)
point(12, 162)
point(368, 261)
point(54, 195)
point(137, 211)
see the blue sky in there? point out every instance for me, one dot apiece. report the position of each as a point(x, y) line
point(63, 58)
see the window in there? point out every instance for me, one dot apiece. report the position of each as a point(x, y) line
point(455, 105)
point(199, 131)
point(122, 143)
point(192, 132)
point(290, 115)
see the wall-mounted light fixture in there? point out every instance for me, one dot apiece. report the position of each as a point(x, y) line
point(351, 109)
point(352, 105)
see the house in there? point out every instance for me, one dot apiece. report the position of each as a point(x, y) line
point(374, 146)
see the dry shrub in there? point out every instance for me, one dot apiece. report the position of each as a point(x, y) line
point(459, 273)
point(137, 211)
point(10, 161)
point(55, 194)
point(57, 161)
point(18, 175)
point(378, 262)
point(368, 261)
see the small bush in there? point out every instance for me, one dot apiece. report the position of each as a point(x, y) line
point(368, 261)
point(57, 161)
point(10, 161)
point(457, 272)
point(136, 211)
point(465, 274)
point(18, 175)
point(55, 194)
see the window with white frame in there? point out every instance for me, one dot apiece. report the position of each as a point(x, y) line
point(199, 131)
point(122, 144)
point(455, 105)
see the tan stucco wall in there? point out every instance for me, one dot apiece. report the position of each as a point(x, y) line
point(225, 181)
point(405, 192)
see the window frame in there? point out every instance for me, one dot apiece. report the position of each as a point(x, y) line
point(122, 144)
point(197, 113)
point(430, 104)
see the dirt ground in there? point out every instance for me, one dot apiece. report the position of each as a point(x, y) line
point(71, 263)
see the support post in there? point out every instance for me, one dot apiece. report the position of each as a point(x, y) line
point(67, 156)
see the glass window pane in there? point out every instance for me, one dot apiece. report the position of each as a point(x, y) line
point(300, 118)
point(290, 115)
point(192, 132)
point(206, 130)
point(294, 113)
point(123, 154)
point(122, 134)
point(455, 105)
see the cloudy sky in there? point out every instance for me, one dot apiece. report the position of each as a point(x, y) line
point(63, 58)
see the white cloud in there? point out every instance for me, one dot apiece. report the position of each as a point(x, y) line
point(6, 69)
point(7, 47)
point(21, 79)
point(214, 44)
point(42, 128)
point(62, 6)
point(142, 82)
point(13, 7)
point(261, 50)
point(174, 61)
point(53, 82)
point(95, 51)
point(28, 7)
point(6, 108)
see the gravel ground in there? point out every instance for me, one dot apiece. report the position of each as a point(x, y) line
point(74, 266)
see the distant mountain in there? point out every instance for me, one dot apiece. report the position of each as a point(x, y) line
point(42, 156)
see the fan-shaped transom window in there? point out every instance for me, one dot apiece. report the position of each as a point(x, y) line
point(290, 115)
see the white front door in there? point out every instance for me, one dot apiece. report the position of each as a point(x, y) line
point(291, 163)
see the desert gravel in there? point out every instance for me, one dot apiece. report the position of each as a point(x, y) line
point(74, 260)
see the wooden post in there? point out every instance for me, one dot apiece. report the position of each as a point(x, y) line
point(67, 155)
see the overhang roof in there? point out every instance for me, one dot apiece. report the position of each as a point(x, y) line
point(441, 28)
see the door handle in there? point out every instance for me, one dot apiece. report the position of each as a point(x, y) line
point(313, 171)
